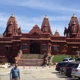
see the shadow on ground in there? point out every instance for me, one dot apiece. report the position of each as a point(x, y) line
point(59, 75)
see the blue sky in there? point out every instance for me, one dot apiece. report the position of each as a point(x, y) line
point(31, 12)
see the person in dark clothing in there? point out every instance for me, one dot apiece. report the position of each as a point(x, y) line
point(15, 73)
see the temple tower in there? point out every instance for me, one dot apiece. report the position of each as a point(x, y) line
point(73, 27)
point(45, 28)
point(12, 27)
point(56, 33)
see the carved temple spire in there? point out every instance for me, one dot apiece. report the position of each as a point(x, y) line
point(74, 15)
point(46, 16)
point(12, 15)
point(12, 27)
point(56, 33)
point(45, 28)
point(73, 26)
point(74, 22)
point(35, 29)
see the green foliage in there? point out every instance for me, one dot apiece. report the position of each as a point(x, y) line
point(59, 58)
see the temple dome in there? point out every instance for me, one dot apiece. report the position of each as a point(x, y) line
point(12, 27)
point(56, 33)
point(46, 16)
point(12, 15)
point(74, 15)
point(35, 29)
point(12, 19)
point(45, 28)
point(73, 27)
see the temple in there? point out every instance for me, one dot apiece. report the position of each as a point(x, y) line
point(39, 40)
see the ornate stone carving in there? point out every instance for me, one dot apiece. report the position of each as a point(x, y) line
point(46, 26)
point(66, 31)
point(9, 29)
point(47, 58)
point(12, 27)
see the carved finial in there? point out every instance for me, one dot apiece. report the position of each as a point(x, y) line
point(56, 30)
point(74, 15)
point(12, 15)
point(46, 16)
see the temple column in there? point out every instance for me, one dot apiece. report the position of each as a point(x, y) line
point(49, 47)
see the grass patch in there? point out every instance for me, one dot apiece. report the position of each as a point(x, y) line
point(59, 58)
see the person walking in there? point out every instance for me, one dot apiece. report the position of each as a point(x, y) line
point(15, 73)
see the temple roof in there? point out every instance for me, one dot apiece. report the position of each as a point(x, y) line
point(12, 15)
point(12, 19)
point(46, 16)
point(73, 20)
point(35, 29)
point(45, 21)
point(74, 15)
point(56, 33)
point(45, 28)
point(12, 27)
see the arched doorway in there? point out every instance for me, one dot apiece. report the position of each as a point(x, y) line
point(35, 48)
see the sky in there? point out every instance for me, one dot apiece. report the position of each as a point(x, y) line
point(28, 13)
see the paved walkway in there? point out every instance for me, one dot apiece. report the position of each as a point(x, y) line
point(31, 73)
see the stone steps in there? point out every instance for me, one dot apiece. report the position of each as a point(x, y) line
point(32, 56)
point(29, 56)
point(31, 60)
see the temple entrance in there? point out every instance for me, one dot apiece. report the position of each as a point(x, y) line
point(35, 48)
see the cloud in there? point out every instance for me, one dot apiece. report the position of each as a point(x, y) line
point(59, 18)
point(3, 19)
point(53, 5)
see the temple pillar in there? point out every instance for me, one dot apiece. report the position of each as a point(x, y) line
point(49, 47)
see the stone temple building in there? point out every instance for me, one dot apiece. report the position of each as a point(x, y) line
point(39, 40)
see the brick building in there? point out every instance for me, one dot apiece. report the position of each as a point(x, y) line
point(39, 40)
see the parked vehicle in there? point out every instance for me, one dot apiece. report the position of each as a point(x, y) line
point(76, 70)
point(59, 65)
point(68, 60)
point(62, 68)
point(68, 69)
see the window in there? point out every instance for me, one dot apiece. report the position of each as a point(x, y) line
point(44, 46)
point(25, 46)
point(65, 59)
point(74, 49)
point(55, 48)
point(71, 59)
point(8, 48)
